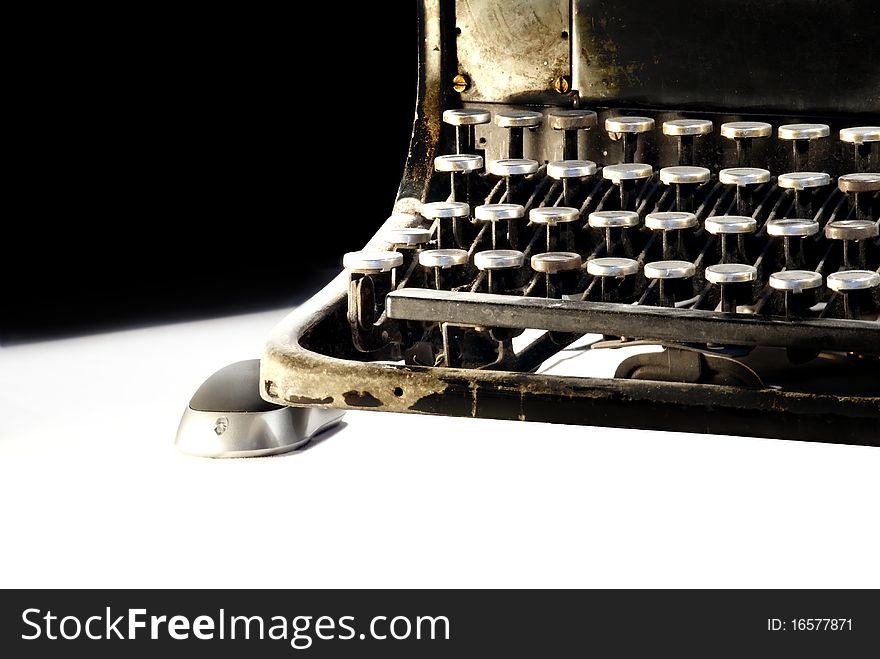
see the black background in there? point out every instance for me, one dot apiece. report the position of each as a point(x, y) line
point(162, 170)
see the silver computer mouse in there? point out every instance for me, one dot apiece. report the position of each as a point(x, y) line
point(226, 418)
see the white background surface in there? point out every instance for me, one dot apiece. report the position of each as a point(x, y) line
point(93, 493)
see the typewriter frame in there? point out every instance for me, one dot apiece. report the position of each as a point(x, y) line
point(307, 360)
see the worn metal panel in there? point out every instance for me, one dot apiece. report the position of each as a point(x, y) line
point(512, 49)
point(485, 310)
point(790, 55)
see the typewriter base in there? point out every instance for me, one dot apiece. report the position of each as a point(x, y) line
point(294, 374)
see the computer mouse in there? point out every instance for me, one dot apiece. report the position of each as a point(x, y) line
point(226, 418)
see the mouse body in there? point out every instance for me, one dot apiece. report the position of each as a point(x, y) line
point(226, 418)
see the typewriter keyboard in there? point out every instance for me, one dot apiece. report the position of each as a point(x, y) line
point(723, 235)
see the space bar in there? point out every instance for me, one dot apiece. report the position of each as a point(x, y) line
point(642, 322)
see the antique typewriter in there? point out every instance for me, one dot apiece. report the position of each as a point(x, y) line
point(691, 189)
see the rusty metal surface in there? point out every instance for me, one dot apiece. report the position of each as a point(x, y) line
point(512, 50)
point(310, 358)
point(292, 374)
point(644, 322)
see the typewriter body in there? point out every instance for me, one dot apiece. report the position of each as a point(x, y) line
point(701, 180)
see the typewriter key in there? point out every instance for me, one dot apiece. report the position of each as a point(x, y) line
point(565, 170)
point(686, 130)
point(554, 262)
point(671, 222)
point(627, 130)
point(372, 275)
point(849, 283)
point(570, 122)
point(408, 237)
point(371, 262)
point(625, 177)
point(730, 277)
point(464, 121)
point(438, 260)
point(516, 121)
point(458, 163)
point(801, 137)
point(610, 220)
point(461, 165)
point(685, 180)
point(743, 132)
point(731, 225)
point(611, 270)
point(859, 188)
point(746, 179)
point(847, 231)
point(513, 167)
point(559, 269)
point(513, 171)
point(864, 140)
point(449, 216)
point(792, 228)
point(667, 274)
point(558, 220)
point(493, 213)
point(794, 284)
point(495, 262)
point(803, 184)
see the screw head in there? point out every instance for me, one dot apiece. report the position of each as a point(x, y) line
point(221, 425)
point(460, 83)
point(561, 84)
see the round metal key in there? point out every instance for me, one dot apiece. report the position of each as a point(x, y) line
point(684, 175)
point(442, 258)
point(572, 119)
point(617, 125)
point(513, 167)
point(861, 182)
point(860, 134)
point(466, 117)
point(555, 262)
point(499, 259)
point(369, 262)
point(670, 270)
point(803, 131)
point(670, 221)
point(731, 273)
point(633, 171)
point(791, 227)
point(795, 281)
point(460, 162)
point(553, 215)
point(679, 127)
point(851, 230)
point(408, 236)
point(611, 266)
point(562, 169)
point(518, 118)
point(746, 129)
point(613, 219)
point(445, 209)
point(730, 224)
point(743, 176)
point(853, 280)
point(495, 212)
point(803, 180)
